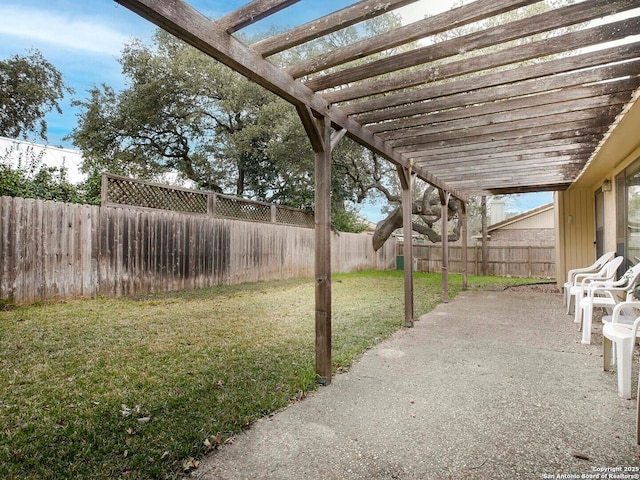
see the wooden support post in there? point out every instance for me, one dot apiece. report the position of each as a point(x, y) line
point(319, 132)
point(485, 240)
point(444, 201)
point(323, 257)
point(464, 234)
point(406, 181)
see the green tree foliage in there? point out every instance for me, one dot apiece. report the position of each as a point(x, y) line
point(183, 111)
point(32, 179)
point(347, 220)
point(30, 87)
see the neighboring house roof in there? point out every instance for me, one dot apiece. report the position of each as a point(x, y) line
point(20, 153)
point(522, 217)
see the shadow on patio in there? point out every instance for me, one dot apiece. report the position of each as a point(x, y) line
point(491, 385)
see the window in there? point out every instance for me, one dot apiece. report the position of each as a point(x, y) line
point(599, 202)
point(628, 214)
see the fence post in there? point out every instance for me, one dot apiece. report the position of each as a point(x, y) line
point(475, 254)
point(104, 189)
point(530, 259)
point(274, 214)
point(211, 204)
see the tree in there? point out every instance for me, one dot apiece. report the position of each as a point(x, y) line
point(31, 179)
point(426, 215)
point(182, 111)
point(347, 220)
point(30, 87)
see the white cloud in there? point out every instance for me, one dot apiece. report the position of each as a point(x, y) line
point(50, 27)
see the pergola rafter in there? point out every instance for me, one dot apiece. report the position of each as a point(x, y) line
point(459, 17)
point(500, 34)
point(344, 18)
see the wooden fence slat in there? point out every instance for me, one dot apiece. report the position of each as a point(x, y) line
point(94, 214)
point(16, 235)
point(5, 209)
point(27, 258)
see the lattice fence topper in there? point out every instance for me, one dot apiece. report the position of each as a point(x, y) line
point(117, 190)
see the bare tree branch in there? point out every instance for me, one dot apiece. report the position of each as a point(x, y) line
point(429, 212)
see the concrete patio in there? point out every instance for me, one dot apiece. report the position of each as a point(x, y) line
point(492, 385)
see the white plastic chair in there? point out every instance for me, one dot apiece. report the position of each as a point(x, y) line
point(581, 282)
point(597, 265)
point(605, 295)
point(623, 336)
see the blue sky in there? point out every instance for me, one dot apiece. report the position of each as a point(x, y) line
point(83, 39)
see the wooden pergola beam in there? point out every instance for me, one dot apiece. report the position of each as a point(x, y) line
point(569, 94)
point(415, 135)
point(528, 136)
point(506, 150)
point(571, 121)
point(509, 92)
point(363, 10)
point(508, 190)
point(457, 17)
point(555, 178)
point(251, 13)
point(544, 22)
point(551, 46)
point(533, 166)
point(529, 139)
point(498, 79)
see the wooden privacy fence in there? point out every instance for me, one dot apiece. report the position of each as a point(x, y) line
point(504, 260)
point(52, 249)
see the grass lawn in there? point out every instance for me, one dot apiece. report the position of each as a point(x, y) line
point(139, 388)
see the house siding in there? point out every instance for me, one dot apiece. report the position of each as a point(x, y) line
point(576, 223)
point(524, 236)
point(536, 229)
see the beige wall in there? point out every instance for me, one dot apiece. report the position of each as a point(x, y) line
point(523, 236)
point(575, 230)
point(544, 219)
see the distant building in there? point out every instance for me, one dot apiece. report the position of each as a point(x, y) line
point(534, 227)
point(21, 153)
point(496, 210)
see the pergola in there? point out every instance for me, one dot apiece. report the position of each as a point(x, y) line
point(501, 110)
